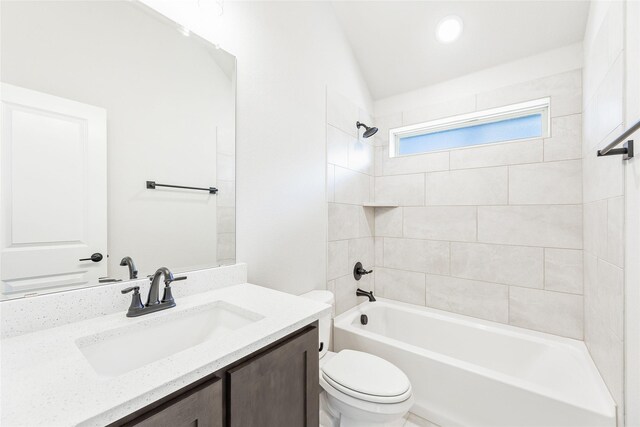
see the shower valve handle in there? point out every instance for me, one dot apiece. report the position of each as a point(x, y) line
point(359, 271)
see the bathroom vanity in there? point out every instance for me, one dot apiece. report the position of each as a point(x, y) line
point(229, 354)
point(275, 386)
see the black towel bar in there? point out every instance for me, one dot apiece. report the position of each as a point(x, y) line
point(152, 185)
point(627, 148)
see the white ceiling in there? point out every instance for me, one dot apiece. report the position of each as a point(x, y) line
point(395, 44)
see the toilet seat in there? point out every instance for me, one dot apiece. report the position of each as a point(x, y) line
point(364, 410)
point(366, 377)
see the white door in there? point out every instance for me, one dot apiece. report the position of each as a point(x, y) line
point(53, 192)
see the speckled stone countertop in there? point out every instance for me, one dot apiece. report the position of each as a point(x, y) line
point(47, 381)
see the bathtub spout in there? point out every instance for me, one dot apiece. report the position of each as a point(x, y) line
point(361, 293)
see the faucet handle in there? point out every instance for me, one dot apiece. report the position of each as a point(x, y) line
point(167, 296)
point(136, 301)
point(359, 271)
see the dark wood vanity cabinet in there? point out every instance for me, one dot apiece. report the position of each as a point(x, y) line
point(200, 407)
point(276, 386)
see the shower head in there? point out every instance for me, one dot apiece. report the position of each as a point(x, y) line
point(370, 131)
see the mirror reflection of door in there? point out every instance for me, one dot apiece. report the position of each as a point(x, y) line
point(53, 192)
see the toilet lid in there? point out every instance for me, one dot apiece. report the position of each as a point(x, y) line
point(362, 374)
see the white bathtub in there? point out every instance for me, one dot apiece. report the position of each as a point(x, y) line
point(470, 372)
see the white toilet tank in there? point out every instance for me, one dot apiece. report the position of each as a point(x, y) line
point(324, 324)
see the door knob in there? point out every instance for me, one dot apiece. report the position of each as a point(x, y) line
point(97, 257)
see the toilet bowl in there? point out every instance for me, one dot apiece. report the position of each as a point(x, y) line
point(358, 389)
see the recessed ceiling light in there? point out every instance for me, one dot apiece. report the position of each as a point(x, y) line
point(449, 29)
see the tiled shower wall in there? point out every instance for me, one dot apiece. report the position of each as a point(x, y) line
point(493, 232)
point(350, 182)
point(226, 199)
point(604, 191)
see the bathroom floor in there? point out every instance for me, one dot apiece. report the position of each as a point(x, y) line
point(409, 420)
point(412, 420)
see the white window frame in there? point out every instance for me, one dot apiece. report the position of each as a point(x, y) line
point(542, 106)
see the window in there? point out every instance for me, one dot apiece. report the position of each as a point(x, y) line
point(515, 122)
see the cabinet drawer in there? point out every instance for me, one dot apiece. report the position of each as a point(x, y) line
point(200, 407)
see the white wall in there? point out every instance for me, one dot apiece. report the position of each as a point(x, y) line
point(288, 53)
point(166, 98)
point(531, 68)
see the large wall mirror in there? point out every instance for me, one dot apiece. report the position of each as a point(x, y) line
point(100, 100)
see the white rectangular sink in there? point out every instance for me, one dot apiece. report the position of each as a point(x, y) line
point(117, 351)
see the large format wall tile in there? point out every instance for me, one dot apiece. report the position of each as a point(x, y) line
point(338, 146)
point(595, 228)
point(487, 186)
point(408, 190)
point(511, 265)
point(565, 142)
point(226, 196)
point(377, 160)
point(361, 250)
point(417, 255)
point(350, 186)
point(554, 183)
point(457, 223)
point(331, 181)
point(603, 177)
point(607, 107)
point(379, 250)
point(563, 270)
point(338, 257)
point(344, 221)
point(439, 110)
point(512, 153)
point(226, 220)
point(544, 226)
point(416, 163)
point(361, 156)
point(554, 312)
point(615, 231)
point(226, 246)
point(384, 125)
point(344, 294)
point(564, 89)
point(606, 297)
point(366, 222)
point(604, 189)
point(607, 352)
point(388, 222)
point(400, 285)
point(478, 299)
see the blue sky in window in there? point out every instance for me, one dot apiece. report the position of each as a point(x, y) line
point(486, 133)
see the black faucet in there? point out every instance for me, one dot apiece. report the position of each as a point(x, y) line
point(361, 293)
point(153, 301)
point(133, 271)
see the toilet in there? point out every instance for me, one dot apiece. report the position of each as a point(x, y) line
point(358, 389)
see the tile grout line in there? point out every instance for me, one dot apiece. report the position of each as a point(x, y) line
point(508, 285)
point(471, 242)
